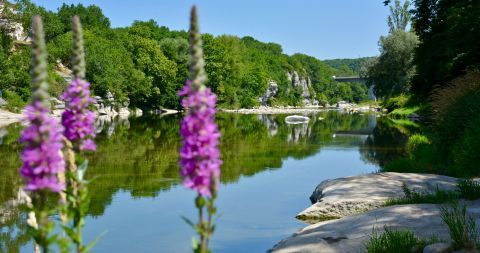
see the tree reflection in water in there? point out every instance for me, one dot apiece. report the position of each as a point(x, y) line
point(139, 155)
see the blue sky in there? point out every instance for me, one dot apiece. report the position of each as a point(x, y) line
point(325, 29)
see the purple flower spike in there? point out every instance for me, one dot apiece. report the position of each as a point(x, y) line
point(77, 119)
point(200, 157)
point(42, 156)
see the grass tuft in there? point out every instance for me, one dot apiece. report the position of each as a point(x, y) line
point(391, 241)
point(469, 189)
point(462, 227)
point(414, 197)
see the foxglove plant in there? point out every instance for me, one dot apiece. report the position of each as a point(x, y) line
point(200, 158)
point(42, 157)
point(78, 122)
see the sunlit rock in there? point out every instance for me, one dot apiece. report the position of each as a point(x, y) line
point(337, 198)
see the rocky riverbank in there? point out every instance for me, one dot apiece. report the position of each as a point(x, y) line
point(344, 212)
point(7, 118)
point(342, 106)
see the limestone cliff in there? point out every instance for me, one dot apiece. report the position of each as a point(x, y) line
point(14, 29)
point(305, 85)
point(296, 83)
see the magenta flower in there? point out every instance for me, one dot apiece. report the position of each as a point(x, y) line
point(77, 119)
point(200, 157)
point(42, 156)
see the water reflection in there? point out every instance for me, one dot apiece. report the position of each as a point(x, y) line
point(139, 156)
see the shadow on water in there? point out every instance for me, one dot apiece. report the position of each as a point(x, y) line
point(139, 155)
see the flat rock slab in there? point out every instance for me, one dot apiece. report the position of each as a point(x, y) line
point(348, 235)
point(7, 118)
point(337, 198)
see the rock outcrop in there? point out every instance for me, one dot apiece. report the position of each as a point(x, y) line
point(271, 92)
point(303, 84)
point(346, 207)
point(337, 198)
point(348, 235)
point(296, 83)
point(7, 118)
point(14, 29)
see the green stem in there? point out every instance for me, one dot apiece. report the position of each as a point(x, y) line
point(41, 213)
point(201, 225)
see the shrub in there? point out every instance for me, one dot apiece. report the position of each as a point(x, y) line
point(466, 151)
point(454, 107)
point(416, 142)
point(15, 102)
point(469, 189)
point(462, 227)
point(391, 241)
point(395, 102)
point(444, 97)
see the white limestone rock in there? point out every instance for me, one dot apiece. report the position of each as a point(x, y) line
point(337, 198)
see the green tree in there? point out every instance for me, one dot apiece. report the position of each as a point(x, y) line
point(394, 67)
point(53, 25)
point(399, 16)
point(92, 16)
point(449, 33)
point(149, 58)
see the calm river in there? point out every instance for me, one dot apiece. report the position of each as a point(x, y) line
point(270, 169)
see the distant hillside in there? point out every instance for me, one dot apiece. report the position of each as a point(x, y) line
point(145, 64)
point(347, 66)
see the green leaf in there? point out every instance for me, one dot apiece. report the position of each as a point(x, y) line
point(81, 170)
point(69, 231)
point(188, 221)
point(94, 242)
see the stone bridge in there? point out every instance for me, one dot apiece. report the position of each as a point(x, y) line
point(350, 79)
point(357, 79)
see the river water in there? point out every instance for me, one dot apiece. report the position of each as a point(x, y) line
point(270, 169)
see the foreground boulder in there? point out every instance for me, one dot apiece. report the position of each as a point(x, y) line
point(337, 198)
point(349, 234)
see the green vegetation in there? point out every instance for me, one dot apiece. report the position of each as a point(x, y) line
point(449, 33)
point(146, 64)
point(462, 227)
point(348, 67)
point(413, 197)
point(392, 71)
point(392, 241)
point(437, 77)
point(466, 189)
point(404, 112)
point(469, 189)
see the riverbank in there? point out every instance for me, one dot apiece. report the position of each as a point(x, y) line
point(345, 211)
point(347, 107)
point(7, 118)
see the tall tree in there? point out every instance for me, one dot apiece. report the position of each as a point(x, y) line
point(399, 17)
point(394, 67)
point(449, 33)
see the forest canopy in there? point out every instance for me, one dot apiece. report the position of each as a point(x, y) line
point(146, 63)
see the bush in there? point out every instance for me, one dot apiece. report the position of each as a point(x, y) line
point(466, 151)
point(15, 102)
point(469, 189)
point(395, 102)
point(462, 227)
point(391, 241)
point(416, 142)
point(455, 108)
point(443, 98)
